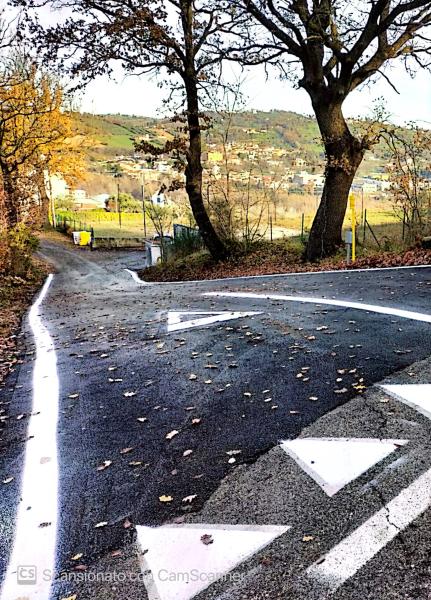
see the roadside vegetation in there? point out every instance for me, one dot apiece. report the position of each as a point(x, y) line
point(21, 275)
point(280, 256)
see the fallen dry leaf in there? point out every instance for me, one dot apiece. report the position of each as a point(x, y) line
point(207, 539)
point(104, 465)
point(165, 498)
point(190, 498)
point(77, 556)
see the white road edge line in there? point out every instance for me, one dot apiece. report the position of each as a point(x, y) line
point(136, 277)
point(354, 551)
point(385, 310)
point(140, 281)
point(34, 546)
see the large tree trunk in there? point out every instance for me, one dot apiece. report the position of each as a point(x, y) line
point(194, 173)
point(45, 201)
point(344, 154)
point(11, 201)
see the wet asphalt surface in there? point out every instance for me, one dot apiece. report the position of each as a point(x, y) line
point(125, 384)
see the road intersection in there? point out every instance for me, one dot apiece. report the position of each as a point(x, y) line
point(177, 452)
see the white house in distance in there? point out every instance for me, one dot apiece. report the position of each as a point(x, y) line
point(159, 199)
point(57, 187)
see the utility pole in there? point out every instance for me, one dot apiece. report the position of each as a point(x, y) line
point(143, 203)
point(118, 203)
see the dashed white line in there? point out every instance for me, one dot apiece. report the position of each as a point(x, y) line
point(354, 551)
point(416, 395)
point(335, 462)
point(384, 310)
point(178, 565)
point(36, 521)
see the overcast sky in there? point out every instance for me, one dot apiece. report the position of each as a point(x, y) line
point(141, 96)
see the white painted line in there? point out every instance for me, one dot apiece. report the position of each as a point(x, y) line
point(354, 551)
point(416, 395)
point(36, 522)
point(384, 310)
point(240, 277)
point(335, 462)
point(175, 323)
point(136, 277)
point(177, 565)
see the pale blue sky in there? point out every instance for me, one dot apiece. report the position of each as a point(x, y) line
point(141, 96)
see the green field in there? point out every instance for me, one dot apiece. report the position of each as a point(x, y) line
point(107, 224)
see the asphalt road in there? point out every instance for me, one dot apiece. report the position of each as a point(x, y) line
point(146, 414)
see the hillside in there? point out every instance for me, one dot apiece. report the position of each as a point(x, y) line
point(114, 134)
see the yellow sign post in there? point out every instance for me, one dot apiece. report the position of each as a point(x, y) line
point(353, 218)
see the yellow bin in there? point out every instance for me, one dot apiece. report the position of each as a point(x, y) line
point(85, 238)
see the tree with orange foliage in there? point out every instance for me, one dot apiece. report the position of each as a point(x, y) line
point(36, 138)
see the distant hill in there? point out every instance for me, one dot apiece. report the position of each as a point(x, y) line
point(113, 135)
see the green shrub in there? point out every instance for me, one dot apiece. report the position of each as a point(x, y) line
point(186, 243)
point(16, 248)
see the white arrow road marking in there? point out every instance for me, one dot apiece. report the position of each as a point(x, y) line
point(334, 462)
point(352, 553)
point(36, 521)
point(176, 324)
point(177, 565)
point(385, 310)
point(417, 396)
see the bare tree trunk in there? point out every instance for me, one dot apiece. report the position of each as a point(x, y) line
point(344, 154)
point(11, 202)
point(194, 172)
point(45, 208)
